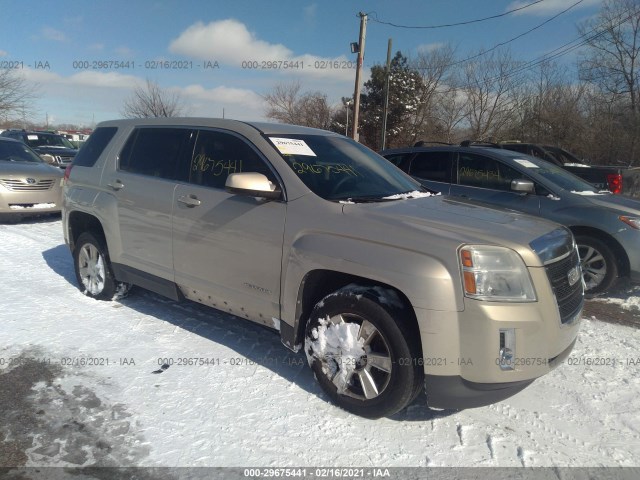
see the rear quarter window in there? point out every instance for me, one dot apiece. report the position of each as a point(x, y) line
point(93, 148)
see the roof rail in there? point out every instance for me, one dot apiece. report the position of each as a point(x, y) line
point(422, 143)
point(478, 143)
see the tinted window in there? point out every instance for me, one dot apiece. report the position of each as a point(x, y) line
point(91, 150)
point(485, 172)
point(517, 147)
point(155, 151)
point(400, 160)
point(218, 154)
point(435, 166)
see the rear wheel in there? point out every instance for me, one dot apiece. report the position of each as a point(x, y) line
point(93, 269)
point(599, 267)
point(362, 354)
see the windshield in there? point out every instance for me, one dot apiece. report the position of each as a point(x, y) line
point(17, 152)
point(47, 140)
point(338, 168)
point(553, 173)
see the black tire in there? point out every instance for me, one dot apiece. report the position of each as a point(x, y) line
point(93, 268)
point(347, 372)
point(599, 267)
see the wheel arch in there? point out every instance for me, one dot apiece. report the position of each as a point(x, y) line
point(622, 259)
point(80, 222)
point(319, 283)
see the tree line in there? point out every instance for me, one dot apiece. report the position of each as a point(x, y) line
point(592, 109)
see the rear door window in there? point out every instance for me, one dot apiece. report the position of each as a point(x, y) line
point(155, 151)
point(434, 166)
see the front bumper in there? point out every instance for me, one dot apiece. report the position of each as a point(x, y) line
point(454, 392)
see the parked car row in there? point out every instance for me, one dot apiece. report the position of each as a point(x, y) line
point(54, 149)
point(442, 274)
point(606, 226)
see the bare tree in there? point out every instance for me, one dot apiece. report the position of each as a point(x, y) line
point(612, 66)
point(286, 104)
point(282, 102)
point(16, 95)
point(489, 87)
point(151, 100)
point(613, 58)
point(435, 67)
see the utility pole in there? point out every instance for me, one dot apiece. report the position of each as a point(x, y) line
point(386, 97)
point(356, 95)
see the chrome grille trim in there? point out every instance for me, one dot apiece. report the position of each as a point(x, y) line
point(570, 298)
point(21, 185)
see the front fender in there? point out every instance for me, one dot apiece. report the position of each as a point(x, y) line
point(426, 281)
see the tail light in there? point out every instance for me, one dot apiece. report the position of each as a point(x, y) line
point(67, 172)
point(614, 180)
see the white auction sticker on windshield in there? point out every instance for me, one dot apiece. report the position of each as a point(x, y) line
point(32, 137)
point(525, 163)
point(292, 146)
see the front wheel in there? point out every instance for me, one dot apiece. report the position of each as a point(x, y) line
point(93, 269)
point(599, 268)
point(364, 355)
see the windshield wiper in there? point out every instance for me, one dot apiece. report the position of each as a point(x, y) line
point(364, 199)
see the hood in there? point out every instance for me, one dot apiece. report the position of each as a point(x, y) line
point(620, 203)
point(24, 169)
point(420, 220)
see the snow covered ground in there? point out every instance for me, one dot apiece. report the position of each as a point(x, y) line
point(81, 383)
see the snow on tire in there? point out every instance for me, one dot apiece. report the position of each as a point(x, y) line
point(362, 352)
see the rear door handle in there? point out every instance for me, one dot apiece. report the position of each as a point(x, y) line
point(116, 185)
point(189, 200)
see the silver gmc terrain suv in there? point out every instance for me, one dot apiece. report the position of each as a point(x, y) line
point(387, 287)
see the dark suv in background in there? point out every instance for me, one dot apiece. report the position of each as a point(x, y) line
point(606, 226)
point(52, 147)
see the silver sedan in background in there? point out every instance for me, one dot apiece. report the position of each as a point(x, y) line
point(28, 185)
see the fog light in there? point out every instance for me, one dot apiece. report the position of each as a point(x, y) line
point(507, 350)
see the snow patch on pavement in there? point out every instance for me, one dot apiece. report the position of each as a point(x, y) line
point(234, 396)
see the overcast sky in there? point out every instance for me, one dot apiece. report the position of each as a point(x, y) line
point(215, 44)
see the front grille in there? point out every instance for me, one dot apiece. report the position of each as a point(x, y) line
point(23, 185)
point(569, 297)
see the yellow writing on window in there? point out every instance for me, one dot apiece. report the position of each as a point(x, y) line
point(340, 168)
point(479, 174)
point(202, 163)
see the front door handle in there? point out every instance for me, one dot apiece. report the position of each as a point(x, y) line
point(116, 185)
point(189, 200)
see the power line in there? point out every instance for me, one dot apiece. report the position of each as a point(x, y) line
point(468, 22)
point(502, 44)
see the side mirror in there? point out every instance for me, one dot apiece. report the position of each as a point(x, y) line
point(252, 184)
point(524, 186)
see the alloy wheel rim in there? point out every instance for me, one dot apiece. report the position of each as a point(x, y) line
point(368, 375)
point(91, 268)
point(594, 266)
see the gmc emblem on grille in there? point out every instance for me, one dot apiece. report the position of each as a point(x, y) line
point(573, 276)
point(31, 181)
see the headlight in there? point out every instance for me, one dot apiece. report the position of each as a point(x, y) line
point(495, 274)
point(633, 222)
